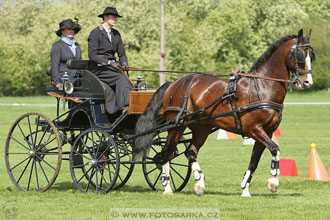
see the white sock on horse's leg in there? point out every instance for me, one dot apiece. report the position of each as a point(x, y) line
point(274, 181)
point(245, 184)
point(199, 187)
point(166, 179)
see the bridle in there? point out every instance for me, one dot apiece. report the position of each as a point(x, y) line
point(300, 58)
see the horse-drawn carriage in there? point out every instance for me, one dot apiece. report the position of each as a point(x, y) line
point(101, 157)
point(101, 154)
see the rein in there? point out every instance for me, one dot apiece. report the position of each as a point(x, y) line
point(213, 73)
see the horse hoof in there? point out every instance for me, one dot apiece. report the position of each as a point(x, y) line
point(272, 186)
point(245, 193)
point(167, 193)
point(199, 190)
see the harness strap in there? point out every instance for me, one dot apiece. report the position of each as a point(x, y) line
point(272, 105)
point(183, 99)
point(231, 90)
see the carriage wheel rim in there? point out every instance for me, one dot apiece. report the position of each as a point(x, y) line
point(96, 169)
point(35, 153)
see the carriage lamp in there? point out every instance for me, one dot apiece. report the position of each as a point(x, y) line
point(140, 83)
point(68, 86)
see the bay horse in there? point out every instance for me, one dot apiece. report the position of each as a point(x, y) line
point(246, 104)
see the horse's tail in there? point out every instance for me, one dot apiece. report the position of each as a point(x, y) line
point(148, 121)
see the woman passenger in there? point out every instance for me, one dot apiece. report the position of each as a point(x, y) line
point(64, 49)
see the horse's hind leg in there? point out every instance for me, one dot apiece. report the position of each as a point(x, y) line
point(257, 151)
point(173, 138)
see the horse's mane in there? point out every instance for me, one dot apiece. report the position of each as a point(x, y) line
point(270, 51)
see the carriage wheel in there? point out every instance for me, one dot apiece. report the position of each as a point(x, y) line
point(179, 167)
point(126, 168)
point(33, 152)
point(94, 161)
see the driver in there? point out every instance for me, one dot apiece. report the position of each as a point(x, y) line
point(103, 42)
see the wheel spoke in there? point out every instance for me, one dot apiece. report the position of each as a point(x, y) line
point(97, 184)
point(28, 119)
point(43, 171)
point(178, 164)
point(84, 174)
point(172, 181)
point(79, 166)
point(152, 170)
point(90, 179)
point(24, 137)
point(86, 147)
point(35, 166)
point(18, 164)
point(157, 179)
point(43, 135)
point(28, 186)
point(176, 172)
point(45, 162)
point(20, 143)
point(36, 132)
point(81, 155)
point(24, 170)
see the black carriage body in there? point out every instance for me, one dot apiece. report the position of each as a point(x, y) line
point(87, 107)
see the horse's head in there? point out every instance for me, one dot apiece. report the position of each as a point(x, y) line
point(300, 60)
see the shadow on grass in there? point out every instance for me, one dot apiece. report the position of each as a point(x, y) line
point(63, 186)
point(270, 195)
point(68, 186)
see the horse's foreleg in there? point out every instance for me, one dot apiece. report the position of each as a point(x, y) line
point(257, 151)
point(266, 140)
point(273, 182)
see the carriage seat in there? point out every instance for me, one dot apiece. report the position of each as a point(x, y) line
point(91, 86)
point(52, 87)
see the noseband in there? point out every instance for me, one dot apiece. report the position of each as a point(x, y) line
point(300, 58)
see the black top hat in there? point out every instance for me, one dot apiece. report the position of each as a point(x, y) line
point(109, 11)
point(68, 24)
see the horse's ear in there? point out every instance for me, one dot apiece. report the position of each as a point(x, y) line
point(309, 34)
point(300, 36)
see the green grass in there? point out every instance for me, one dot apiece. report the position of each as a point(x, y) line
point(223, 163)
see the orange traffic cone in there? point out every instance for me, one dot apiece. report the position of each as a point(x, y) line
point(317, 170)
point(277, 132)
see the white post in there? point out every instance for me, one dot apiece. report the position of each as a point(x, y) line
point(162, 43)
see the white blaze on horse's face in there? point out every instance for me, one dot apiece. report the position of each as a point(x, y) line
point(309, 81)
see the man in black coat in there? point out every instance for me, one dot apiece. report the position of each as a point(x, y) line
point(103, 42)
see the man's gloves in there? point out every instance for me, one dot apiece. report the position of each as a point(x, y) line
point(116, 65)
point(124, 65)
point(113, 64)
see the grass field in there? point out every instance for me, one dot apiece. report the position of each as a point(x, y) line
point(223, 163)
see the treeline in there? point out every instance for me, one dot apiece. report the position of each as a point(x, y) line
point(201, 35)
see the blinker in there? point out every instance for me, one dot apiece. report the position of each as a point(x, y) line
point(301, 57)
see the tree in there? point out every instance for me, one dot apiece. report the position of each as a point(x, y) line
point(201, 35)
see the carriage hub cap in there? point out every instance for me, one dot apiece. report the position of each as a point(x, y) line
point(93, 162)
point(31, 153)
